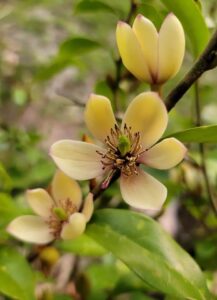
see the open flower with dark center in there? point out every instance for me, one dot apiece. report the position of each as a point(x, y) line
point(125, 148)
point(60, 213)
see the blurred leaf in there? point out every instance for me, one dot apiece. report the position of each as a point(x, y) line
point(9, 287)
point(206, 252)
point(69, 52)
point(8, 211)
point(130, 282)
point(151, 13)
point(138, 296)
point(102, 88)
point(20, 96)
point(102, 279)
point(115, 7)
point(192, 20)
point(5, 180)
point(78, 46)
point(16, 277)
point(93, 7)
point(62, 297)
point(45, 72)
point(82, 245)
point(112, 278)
point(201, 134)
point(150, 252)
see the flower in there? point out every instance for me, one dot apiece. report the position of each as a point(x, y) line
point(151, 56)
point(124, 149)
point(59, 214)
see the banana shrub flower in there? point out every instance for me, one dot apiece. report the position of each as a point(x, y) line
point(59, 214)
point(124, 149)
point(151, 56)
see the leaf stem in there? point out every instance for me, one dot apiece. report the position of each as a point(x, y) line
point(202, 148)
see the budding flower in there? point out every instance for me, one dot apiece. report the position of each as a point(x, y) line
point(149, 55)
point(60, 214)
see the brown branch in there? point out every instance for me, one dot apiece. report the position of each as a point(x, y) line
point(206, 61)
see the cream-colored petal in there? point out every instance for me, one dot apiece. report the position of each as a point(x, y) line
point(147, 36)
point(75, 227)
point(63, 187)
point(165, 154)
point(143, 191)
point(78, 160)
point(32, 229)
point(171, 48)
point(88, 208)
point(99, 116)
point(131, 52)
point(147, 114)
point(40, 201)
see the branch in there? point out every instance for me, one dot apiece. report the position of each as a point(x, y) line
point(207, 61)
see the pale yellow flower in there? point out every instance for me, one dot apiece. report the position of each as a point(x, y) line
point(151, 56)
point(60, 214)
point(124, 149)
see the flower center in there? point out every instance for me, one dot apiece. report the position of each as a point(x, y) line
point(59, 215)
point(123, 151)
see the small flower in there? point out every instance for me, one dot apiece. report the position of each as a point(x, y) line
point(124, 149)
point(151, 56)
point(59, 214)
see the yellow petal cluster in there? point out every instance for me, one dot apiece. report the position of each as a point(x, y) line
point(151, 56)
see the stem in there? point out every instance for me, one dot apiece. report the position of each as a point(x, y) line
point(202, 149)
point(206, 61)
point(158, 89)
point(114, 83)
point(98, 190)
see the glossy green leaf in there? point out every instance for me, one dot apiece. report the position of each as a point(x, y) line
point(9, 287)
point(150, 252)
point(16, 277)
point(192, 20)
point(82, 245)
point(78, 46)
point(201, 134)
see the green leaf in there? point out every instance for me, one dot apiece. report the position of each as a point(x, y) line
point(152, 13)
point(192, 20)
point(5, 180)
point(8, 211)
point(93, 7)
point(150, 252)
point(16, 277)
point(201, 134)
point(78, 46)
point(102, 88)
point(82, 245)
point(9, 287)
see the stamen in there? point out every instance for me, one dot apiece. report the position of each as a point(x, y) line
point(123, 150)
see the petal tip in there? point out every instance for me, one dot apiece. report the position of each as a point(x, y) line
point(139, 17)
point(121, 23)
point(91, 96)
